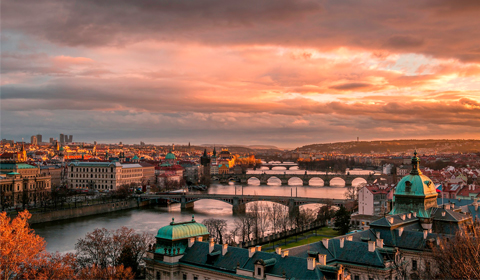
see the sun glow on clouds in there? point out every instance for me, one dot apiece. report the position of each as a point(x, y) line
point(261, 76)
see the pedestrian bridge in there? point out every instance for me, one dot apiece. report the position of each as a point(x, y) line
point(239, 202)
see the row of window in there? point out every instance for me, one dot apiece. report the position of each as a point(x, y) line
point(85, 169)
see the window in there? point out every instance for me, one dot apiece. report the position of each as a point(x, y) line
point(259, 271)
point(414, 265)
point(184, 276)
point(195, 277)
point(158, 275)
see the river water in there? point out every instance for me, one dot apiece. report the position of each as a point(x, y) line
point(62, 235)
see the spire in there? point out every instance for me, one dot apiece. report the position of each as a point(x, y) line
point(415, 164)
point(214, 151)
point(205, 153)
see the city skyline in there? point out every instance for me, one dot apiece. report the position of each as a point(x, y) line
point(285, 73)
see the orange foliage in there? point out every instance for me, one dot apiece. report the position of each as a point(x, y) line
point(95, 272)
point(23, 256)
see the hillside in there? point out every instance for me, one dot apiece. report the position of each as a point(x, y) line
point(395, 147)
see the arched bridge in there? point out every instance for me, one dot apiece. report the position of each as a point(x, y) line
point(286, 165)
point(284, 177)
point(239, 202)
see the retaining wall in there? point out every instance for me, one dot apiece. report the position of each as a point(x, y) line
point(86, 210)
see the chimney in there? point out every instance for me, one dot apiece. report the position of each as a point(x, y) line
point(447, 206)
point(476, 207)
point(310, 263)
point(425, 233)
point(251, 252)
point(371, 246)
point(342, 242)
point(402, 217)
point(325, 242)
point(322, 259)
point(415, 214)
point(284, 253)
point(258, 248)
point(438, 240)
point(224, 249)
point(429, 230)
point(366, 227)
point(199, 238)
point(409, 215)
point(211, 245)
point(378, 234)
point(400, 231)
point(191, 241)
point(278, 250)
point(390, 220)
point(379, 243)
point(349, 238)
point(443, 213)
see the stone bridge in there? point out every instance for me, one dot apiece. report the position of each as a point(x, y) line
point(284, 177)
point(239, 202)
point(286, 165)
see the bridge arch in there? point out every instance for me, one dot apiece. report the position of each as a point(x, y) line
point(253, 181)
point(274, 180)
point(359, 181)
point(337, 182)
point(295, 181)
point(316, 182)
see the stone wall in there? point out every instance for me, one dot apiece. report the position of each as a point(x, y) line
point(85, 211)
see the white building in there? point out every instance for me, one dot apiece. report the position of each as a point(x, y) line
point(103, 175)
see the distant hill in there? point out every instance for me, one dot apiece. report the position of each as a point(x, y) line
point(263, 147)
point(395, 147)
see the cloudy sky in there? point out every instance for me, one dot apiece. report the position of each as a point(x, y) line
point(278, 72)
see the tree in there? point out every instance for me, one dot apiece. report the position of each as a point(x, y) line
point(342, 220)
point(23, 255)
point(103, 248)
point(455, 257)
point(217, 228)
point(325, 213)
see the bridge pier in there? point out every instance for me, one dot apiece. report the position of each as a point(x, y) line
point(185, 204)
point(270, 167)
point(237, 206)
point(326, 183)
point(284, 182)
point(288, 167)
point(305, 182)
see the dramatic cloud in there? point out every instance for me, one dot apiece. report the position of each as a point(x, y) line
point(284, 72)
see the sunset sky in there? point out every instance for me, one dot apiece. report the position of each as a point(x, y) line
point(286, 73)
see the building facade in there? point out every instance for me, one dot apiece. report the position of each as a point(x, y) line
point(105, 175)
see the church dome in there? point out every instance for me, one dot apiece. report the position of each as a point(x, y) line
point(415, 193)
point(170, 155)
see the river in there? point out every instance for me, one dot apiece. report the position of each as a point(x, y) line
point(61, 236)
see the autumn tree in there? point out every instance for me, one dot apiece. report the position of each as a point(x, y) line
point(23, 255)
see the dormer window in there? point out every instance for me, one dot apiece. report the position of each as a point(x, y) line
point(408, 186)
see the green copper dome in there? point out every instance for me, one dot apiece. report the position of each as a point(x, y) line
point(176, 231)
point(170, 156)
point(415, 193)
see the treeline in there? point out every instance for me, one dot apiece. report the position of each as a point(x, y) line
point(262, 219)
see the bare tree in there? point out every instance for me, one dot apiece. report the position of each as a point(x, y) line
point(104, 247)
point(456, 257)
point(217, 228)
point(275, 217)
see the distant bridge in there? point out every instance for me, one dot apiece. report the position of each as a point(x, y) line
point(238, 202)
point(284, 177)
point(286, 165)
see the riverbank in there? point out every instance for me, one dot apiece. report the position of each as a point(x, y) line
point(85, 210)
